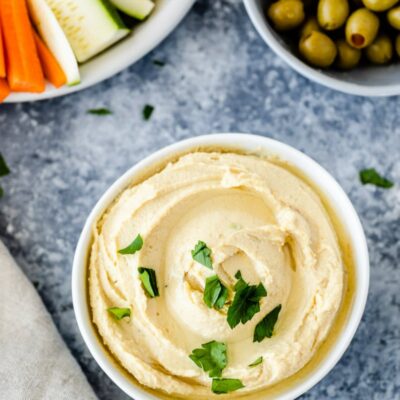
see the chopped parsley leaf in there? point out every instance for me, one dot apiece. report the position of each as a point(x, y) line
point(135, 246)
point(246, 302)
point(211, 357)
point(256, 362)
point(224, 385)
point(371, 176)
point(100, 111)
point(119, 313)
point(215, 293)
point(159, 63)
point(265, 328)
point(202, 254)
point(4, 170)
point(149, 281)
point(147, 111)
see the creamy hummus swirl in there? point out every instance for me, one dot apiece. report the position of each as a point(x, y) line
point(257, 217)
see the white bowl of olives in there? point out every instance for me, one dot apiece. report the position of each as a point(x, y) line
point(348, 45)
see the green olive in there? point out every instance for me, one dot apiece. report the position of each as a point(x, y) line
point(361, 28)
point(379, 5)
point(309, 26)
point(380, 51)
point(398, 45)
point(332, 14)
point(286, 14)
point(318, 49)
point(348, 57)
point(393, 17)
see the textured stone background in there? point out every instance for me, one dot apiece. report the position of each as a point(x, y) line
point(219, 76)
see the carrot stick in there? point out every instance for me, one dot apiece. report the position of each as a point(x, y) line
point(2, 59)
point(4, 89)
point(52, 70)
point(24, 72)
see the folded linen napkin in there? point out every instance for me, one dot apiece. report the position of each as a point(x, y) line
point(35, 363)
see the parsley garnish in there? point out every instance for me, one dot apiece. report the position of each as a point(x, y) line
point(371, 176)
point(256, 362)
point(149, 281)
point(147, 111)
point(4, 170)
point(215, 293)
point(265, 328)
point(119, 313)
point(202, 254)
point(246, 302)
point(211, 358)
point(135, 246)
point(100, 111)
point(223, 385)
point(159, 63)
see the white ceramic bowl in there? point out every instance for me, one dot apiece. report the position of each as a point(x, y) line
point(363, 81)
point(144, 38)
point(249, 143)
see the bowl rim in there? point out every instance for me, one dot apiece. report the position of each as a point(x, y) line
point(166, 19)
point(263, 28)
point(249, 143)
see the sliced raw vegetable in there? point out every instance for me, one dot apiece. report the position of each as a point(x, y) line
point(2, 58)
point(139, 9)
point(4, 89)
point(54, 37)
point(24, 72)
point(51, 69)
point(90, 25)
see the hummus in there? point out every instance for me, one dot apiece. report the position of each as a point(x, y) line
point(257, 217)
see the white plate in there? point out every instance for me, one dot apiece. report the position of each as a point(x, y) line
point(144, 38)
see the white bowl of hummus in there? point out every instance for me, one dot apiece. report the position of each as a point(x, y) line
point(222, 266)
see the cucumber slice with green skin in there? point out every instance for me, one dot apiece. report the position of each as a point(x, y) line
point(90, 25)
point(139, 9)
point(55, 39)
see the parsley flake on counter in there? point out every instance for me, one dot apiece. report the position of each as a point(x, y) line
point(149, 281)
point(215, 293)
point(371, 176)
point(246, 302)
point(202, 254)
point(159, 63)
point(4, 170)
point(211, 358)
point(265, 328)
point(135, 246)
point(224, 385)
point(119, 313)
point(100, 111)
point(147, 111)
point(256, 362)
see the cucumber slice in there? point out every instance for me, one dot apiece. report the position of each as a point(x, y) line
point(55, 39)
point(90, 25)
point(139, 9)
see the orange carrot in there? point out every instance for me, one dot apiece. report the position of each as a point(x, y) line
point(52, 70)
point(2, 60)
point(24, 72)
point(4, 89)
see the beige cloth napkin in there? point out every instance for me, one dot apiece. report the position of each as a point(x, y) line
point(35, 363)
